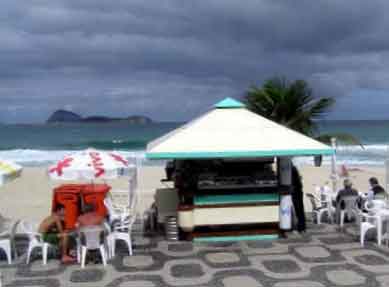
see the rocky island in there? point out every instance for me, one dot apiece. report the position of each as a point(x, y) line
point(63, 116)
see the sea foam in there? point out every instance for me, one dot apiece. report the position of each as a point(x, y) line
point(31, 157)
point(373, 154)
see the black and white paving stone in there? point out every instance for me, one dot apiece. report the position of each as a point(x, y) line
point(323, 256)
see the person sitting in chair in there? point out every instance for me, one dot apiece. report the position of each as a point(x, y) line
point(348, 190)
point(90, 217)
point(53, 232)
point(376, 188)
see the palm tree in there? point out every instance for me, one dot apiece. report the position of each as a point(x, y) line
point(292, 104)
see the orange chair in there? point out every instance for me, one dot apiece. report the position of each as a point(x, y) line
point(95, 194)
point(69, 197)
point(73, 196)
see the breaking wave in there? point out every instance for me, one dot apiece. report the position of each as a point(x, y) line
point(374, 154)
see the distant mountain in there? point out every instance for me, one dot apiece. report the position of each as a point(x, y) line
point(98, 119)
point(138, 120)
point(63, 116)
point(60, 116)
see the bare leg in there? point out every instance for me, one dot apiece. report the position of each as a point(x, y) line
point(64, 243)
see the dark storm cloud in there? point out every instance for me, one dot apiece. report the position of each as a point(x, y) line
point(172, 59)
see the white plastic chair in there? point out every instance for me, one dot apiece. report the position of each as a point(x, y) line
point(7, 239)
point(108, 239)
point(326, 198)
point(318, 211)
point(121, 231)
point(35, 241)
point(5, 244)
point(374, 205)
point(350, 208)
point(91, 238)
point(369, 222)
point(119, 213)
point(116, 213)
point(12, 237)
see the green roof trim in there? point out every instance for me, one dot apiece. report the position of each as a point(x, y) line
point(238, 154)
point(205, 200)
point(229, 103)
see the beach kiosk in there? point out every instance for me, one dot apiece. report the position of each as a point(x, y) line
point(231, 171)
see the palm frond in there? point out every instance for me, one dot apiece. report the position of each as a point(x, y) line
point(319, 107)
point(293, 104)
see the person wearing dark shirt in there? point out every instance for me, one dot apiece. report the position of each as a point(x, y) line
point(376, 187)
point(297, 198)
point(348, 190)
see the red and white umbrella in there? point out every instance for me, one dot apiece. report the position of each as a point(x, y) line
point(90, 164)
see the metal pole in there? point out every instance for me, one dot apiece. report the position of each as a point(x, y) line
point(334, 176)
point(136, 190)
point(387, 173)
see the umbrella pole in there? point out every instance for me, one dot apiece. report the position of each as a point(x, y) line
point(387, 172)
point(134, 182)
point(334, 175)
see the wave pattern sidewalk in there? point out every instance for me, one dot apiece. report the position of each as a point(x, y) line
point(324, 256)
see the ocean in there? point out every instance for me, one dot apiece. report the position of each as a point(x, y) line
point(41, 144)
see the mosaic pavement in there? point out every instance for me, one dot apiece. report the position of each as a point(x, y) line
point(324, 256)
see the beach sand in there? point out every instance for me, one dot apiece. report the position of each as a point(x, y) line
point(29, 197)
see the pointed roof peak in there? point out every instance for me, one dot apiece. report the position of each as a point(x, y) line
point(229, 103)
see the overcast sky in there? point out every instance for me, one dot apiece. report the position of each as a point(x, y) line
point(173, 59)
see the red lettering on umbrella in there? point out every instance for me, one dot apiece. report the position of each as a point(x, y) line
point(61, 165)
point(97, 164)
point(99, 171)
point(119, 158)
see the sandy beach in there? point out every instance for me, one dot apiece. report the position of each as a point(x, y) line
point(29, 196)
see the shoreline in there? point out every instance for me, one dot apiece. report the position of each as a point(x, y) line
point(373, 155)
